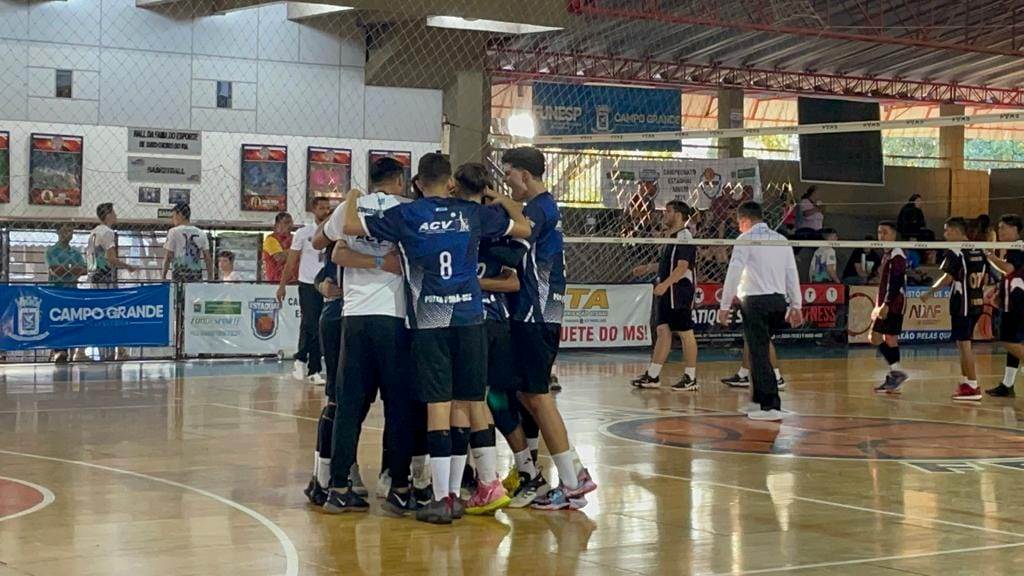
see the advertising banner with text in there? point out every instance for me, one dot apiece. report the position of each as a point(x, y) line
point(240, 319)
point(922, 321)
point(607, 315)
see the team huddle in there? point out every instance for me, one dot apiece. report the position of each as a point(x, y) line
point(449, 307)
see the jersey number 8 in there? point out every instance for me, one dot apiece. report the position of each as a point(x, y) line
point(445, 259)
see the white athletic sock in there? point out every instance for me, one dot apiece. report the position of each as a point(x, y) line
point(323, 472)
point(1009, 376)
point(486, 459)
point(778, 374)
point(316, 463)
point(525, 464)
point(654, 370)
point(894, 367)
point(691, 372)
point(533, 443)
point(440, 472)
point(458, 467)
point(567, 471)
point(420, 472)
point(972, 384)
point(743, 372)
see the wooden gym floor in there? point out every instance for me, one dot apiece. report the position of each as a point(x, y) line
point(197, 469)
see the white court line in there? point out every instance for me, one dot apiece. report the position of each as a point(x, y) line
point(870, 560)
point(652, 411)
point(290, 553)
point(285, 414)
point(48, 498)
point(817, 501)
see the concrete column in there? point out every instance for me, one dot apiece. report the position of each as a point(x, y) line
point(467, 107)
point(951, 139)
point(730, 115)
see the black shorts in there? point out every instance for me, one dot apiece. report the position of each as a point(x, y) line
point(534, 349)
point(963, 327)
point(678, 319)
point(892, 325)
point(1010, 326)
point(451, 363)
point(499, 356)
point(374, 355)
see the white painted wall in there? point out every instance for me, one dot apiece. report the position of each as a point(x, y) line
point(294, 85)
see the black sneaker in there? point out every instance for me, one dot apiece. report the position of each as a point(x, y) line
point(1001, 391)
point(436, 512)
point(423, 496)
point(646, 381)
point(347, 501)
point(687, 384)
point(737, 381)
point(458, 507)
point(554, 386)
point(399, 504)
point(315, 492)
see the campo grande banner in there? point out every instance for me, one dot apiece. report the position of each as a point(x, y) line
point(704, 184)
point(607, 315)
point(233, 318)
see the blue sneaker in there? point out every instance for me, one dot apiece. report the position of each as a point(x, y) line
point(558, 499)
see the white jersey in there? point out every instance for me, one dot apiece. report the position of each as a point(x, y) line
point(311, 260)
point(187, 244)
point(369, 292)
point(101, 239)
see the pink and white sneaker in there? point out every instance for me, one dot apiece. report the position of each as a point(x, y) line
point(489, 497)
point(966, 393)
point(563, 498)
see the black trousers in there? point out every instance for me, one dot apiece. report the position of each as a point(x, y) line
point(375, 355)
point(763, 316)
point(330, 341)
point(311, 303)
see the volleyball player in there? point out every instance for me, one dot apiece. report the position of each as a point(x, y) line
point(438, 237)
point(965, 271)
point(1011, 324)
point(741, 379)
point(887, 316)
point(674, 292)
point(536, 317)
point(375, 346)
point(186, 249)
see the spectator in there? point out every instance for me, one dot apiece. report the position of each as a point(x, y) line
point(187, 248)
point(101, 250)
point(823, 263)
point(226, 266)
point(862, 266)
point(911, 223)
point(809, 215)
point(275, 247)
point(66, 264)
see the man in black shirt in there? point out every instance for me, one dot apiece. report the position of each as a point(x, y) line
point(966, 271)
point(677, 282)
point(1011, 326)
point(862, 266)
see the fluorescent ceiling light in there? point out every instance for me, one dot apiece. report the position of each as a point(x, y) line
point(486, 25)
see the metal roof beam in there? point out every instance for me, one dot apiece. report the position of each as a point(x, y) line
point(871, 27)
point(529, 64)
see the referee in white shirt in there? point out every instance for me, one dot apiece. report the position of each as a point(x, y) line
point(764, 278)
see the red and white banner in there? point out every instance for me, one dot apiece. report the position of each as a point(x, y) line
point(607, 315)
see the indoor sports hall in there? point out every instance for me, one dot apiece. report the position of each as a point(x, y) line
point(780, 283)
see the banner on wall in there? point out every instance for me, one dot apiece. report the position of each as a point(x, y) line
point(55, 170)
point(5, 167)
point(158, 141)
point(328, 174)
point(404, 157)
point(922, 321)
point(264, 178)
point(607, 315)
point(240, 319)
point(577, 109)
point(823, 307)
point(714, 184)
point(50, 317)
point(162, 170)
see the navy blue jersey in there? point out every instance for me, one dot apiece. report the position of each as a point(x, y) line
point(542, 270)
point(439, 240)
point(496, 255)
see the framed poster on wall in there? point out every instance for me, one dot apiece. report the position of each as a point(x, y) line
point(405, 157)
point(328, 174)
point(55, 170)
point(264, 178)
point(5, 167)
